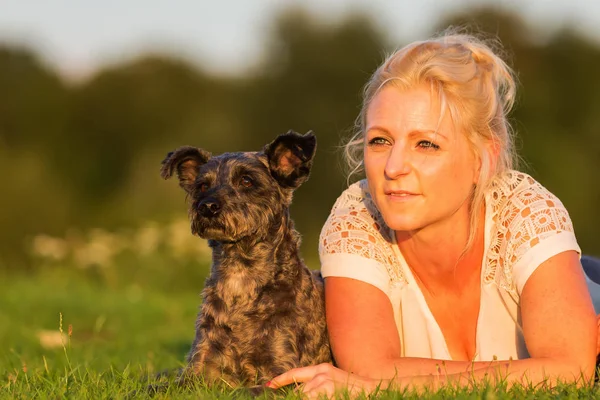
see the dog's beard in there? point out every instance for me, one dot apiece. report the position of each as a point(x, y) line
point(210, 229)
point(235, 226)
point(216, 229)
point(216, 234)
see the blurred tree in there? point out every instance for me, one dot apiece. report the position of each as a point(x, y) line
point(33, 114)
point(32, 101)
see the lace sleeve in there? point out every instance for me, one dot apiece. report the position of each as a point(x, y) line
point(355, 243)
point(533, 225)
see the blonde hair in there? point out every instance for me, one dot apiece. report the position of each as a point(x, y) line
point(475, 86)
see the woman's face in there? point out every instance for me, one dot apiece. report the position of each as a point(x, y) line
point(420, 169)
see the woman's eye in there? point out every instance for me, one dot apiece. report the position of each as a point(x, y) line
point(378, 141)
point(203, 187)
point(426, 144)
point(246, 181)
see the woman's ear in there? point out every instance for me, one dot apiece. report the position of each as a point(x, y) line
point(494, 147)
point(479, 158)
point(489, 153)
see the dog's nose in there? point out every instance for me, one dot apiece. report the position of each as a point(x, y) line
point(209, 208)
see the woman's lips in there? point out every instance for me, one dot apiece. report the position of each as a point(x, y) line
point(400, 195)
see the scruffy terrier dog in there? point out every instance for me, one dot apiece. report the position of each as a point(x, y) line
point(263, 310)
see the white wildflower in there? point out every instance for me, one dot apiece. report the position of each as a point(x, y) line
point(49, 247)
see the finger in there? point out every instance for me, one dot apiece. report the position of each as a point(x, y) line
point(316, 381)
point(296, 375)
point(320, 391)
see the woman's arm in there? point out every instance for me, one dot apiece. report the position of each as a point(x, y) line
point(364, 337)
point(558, 318)
point(558, 321)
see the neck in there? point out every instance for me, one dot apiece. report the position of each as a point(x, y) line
point(438, 254)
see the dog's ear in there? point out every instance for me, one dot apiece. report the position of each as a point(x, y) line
point(186, 161)
point(290, 158)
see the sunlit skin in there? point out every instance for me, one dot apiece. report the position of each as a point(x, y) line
point(421, 170)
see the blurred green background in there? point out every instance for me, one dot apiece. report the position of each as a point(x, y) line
point(81, 159)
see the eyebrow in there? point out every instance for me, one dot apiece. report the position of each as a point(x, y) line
point(437, 133)
point(412, 133)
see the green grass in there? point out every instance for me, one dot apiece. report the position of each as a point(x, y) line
point(125, 330)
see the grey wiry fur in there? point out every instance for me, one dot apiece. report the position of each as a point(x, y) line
point(263, 310)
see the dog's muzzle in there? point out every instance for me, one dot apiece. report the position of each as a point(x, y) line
point(209, 208)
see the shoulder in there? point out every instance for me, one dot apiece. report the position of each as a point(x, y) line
point(355, 230)
point(530, 225)
point(516, 198)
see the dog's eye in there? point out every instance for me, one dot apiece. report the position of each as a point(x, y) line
point(203, 187)
point(246, 181)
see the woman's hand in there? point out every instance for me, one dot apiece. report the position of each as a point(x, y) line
point(324, 379)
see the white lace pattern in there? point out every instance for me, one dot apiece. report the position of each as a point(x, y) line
point(524, 213)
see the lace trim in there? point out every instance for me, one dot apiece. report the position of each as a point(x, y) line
point(355, 226)
point(524, 213)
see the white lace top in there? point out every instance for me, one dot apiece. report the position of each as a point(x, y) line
point(525, 225)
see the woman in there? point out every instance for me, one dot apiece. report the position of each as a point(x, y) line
point(446, 265)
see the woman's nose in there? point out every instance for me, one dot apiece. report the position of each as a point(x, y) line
point(398, 163)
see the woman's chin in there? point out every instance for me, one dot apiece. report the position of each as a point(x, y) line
point(403, 225)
